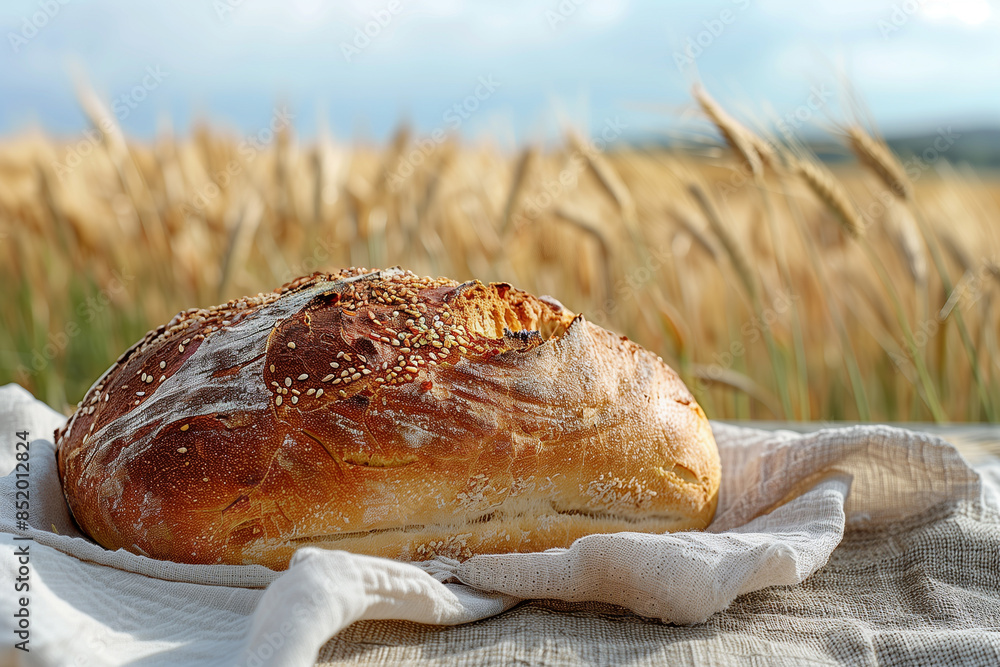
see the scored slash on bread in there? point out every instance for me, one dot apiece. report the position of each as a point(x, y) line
point(387, 414)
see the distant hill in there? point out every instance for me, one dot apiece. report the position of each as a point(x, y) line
point(977, 147)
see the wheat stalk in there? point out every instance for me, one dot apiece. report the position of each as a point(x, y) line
point(525, 166)
point(741, 265)
point(61, 234)
point(910, 244)
point(696, 231)
point(579, 220)
point(732, 246)
point(613, 184)
point(736, 380)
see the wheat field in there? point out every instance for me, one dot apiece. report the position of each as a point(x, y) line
point(777, 286)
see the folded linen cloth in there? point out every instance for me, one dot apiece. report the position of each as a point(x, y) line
point(785, 502)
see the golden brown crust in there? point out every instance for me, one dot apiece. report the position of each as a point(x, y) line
point(387, 414)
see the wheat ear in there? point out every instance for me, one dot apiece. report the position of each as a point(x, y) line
point(737, 137)
point(876, 156)
point(830, 192)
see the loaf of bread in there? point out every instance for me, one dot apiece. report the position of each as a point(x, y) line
point(386, 414)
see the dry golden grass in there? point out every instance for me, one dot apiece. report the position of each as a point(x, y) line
point(734, 268)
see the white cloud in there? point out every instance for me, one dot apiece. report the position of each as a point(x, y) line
point(969, 12)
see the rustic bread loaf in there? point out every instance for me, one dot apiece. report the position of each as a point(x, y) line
point(387, 414)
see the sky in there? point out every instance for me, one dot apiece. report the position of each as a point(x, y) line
point(514, 71)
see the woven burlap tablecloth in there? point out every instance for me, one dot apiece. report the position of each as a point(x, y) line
point(868, 545)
